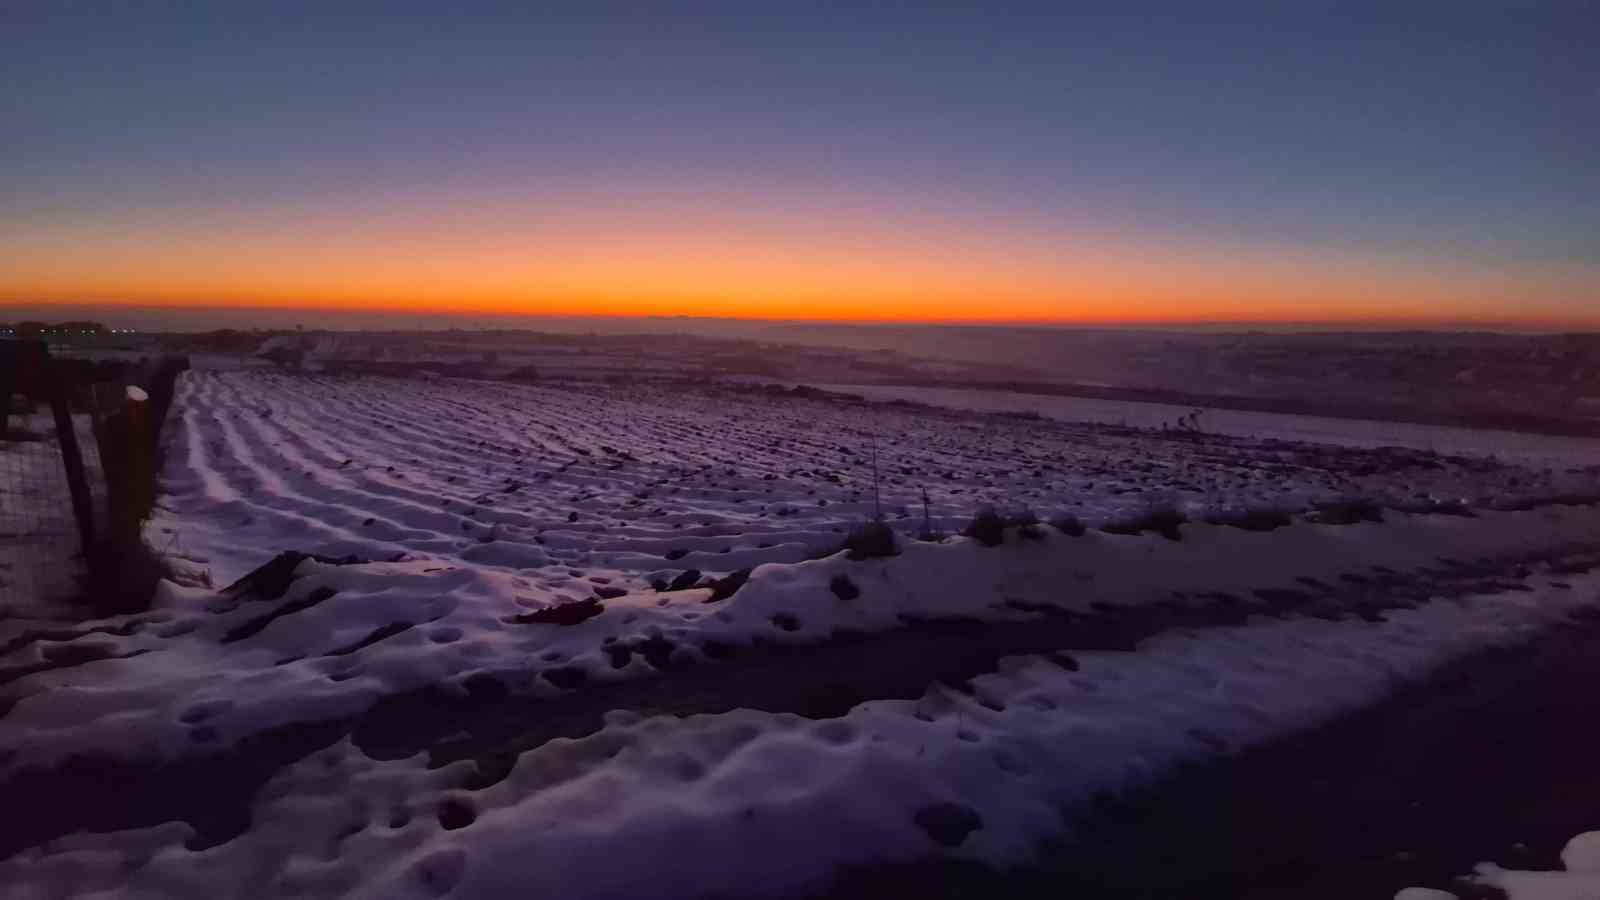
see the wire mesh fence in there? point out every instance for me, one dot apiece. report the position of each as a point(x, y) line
point(41, 552)
point(55, 497)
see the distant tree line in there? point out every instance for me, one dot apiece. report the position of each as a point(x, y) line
point(34, 330)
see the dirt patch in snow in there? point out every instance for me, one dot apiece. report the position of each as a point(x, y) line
point(1492, 758)
point(490, 721)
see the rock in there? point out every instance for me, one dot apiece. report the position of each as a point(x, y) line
point(685, 580)
point(563, 614)
point(723, 588)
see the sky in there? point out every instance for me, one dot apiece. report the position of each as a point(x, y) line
point(1402, 162)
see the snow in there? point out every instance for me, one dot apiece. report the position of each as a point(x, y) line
point(1321, 429)
point(611, 479)
point(1539, 885)
point(1582, 853)
point(463, 618)
point(1580, 881)
point(481, 504)
point(767, 804)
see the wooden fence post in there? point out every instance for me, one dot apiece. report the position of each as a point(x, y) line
point(140, 474)
point(8, 383)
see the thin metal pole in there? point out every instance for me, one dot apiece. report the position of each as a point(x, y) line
point(877, 503)
point(71, 457)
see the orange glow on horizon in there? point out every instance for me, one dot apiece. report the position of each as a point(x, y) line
point(1101, 312)
point(726, 260)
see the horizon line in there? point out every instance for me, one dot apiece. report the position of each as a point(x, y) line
point(1405, 323)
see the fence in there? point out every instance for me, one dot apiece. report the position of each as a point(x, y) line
point(77, 476)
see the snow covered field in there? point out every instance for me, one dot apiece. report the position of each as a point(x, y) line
point(639, 482)
point(601, 641)
point(1538, 448)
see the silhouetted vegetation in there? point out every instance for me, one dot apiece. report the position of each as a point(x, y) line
point(1428, 506)
point(871, 540)
point(227, 340)
point(1347, 511)
point(1161, 517)
point(987, 528)
point(1251, 519)
point(1026, 521)
point(32, 330)
point(1069, 525)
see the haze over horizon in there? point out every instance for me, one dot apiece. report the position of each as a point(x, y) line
point(201, 318)
point(1363, 165)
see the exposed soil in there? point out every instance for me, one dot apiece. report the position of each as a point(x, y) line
point(490, 721)
point(1492, 759)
